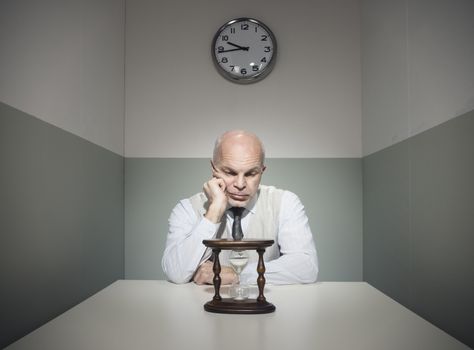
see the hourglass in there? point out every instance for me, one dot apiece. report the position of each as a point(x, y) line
point(238, 260)
point(240, 303)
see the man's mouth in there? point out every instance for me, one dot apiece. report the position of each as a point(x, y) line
point(238, 197)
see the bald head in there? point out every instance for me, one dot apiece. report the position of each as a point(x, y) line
point(238, 162)
point(237, 142)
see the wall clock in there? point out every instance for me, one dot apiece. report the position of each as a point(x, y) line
point(244, 50)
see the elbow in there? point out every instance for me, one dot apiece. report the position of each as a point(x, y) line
point(174, 274)
point(312, 272)
point(313, 276)
point(177, 279)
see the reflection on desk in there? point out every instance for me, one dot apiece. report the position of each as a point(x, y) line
point(161, 315)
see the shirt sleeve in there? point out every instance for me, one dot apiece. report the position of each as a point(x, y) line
point(184, 248)
point(298, 262)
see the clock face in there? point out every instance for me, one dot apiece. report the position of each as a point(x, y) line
point(244, 50)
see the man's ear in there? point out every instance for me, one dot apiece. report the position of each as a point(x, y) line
point(213, 168)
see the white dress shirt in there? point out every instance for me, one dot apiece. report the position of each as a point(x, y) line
point(297, 262)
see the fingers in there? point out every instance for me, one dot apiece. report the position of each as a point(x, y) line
point(228, 275)
point(220, 183)
point(215, 184)
point(204, 274)
point(214, 190)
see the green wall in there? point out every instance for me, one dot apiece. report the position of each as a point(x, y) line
point(330, 189)
point(64, 202)
point(419, 224)
point(61, 221)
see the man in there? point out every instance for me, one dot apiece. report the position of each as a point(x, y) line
point(269, 213)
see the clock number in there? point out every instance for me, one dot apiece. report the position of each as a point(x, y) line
point(267, 49)
point(244, 26)
point(232, 68)
point(224, 60)
point(264, 60)
point(255, 68)
point(232, 30)
point(264, 37)
point(220, 49)
point(243, 71)
point(225, 38)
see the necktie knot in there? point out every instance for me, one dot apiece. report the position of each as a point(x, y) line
point(237, 211)
point(237, 233)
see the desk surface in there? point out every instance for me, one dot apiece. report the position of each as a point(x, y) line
point(161, 315)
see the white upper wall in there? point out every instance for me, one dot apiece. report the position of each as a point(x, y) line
point(177, 103)
point(63, 62)
point(418, 67)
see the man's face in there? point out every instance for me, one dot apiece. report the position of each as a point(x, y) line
point(240, 166)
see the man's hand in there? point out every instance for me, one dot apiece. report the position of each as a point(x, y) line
point(205, 275)
point(215, 193)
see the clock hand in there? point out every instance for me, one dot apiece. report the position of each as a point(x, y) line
point(231, 50)
point(246, 48)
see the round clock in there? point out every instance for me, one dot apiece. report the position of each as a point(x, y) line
point(244, 50)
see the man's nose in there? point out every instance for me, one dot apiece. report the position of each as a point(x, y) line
point(240, 182)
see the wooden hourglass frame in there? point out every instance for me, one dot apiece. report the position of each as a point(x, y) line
point(228, 305)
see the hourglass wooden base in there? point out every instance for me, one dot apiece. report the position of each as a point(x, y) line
point(228, 305)
point(231, 306)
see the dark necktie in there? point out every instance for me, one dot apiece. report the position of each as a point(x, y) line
point(237, 233)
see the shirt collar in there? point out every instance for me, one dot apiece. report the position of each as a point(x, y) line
point(251, 205)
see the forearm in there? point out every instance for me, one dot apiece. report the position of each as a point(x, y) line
point(184, 250)
point(287, 269)
point(298, 261)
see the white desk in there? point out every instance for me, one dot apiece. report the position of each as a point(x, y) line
point(161, 315)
